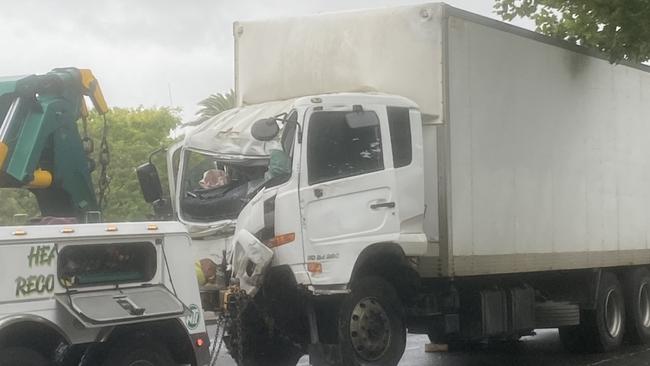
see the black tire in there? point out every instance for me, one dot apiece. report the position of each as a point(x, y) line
point(372, 315)
point(636, 291)
point(602, 329)
point(19, 356)
point(138, 353)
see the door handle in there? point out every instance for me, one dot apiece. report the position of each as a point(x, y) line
point(375, 206)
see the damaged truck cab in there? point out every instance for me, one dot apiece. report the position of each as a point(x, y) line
point(353, 157)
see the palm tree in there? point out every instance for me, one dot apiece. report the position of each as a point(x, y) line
point(215, 104)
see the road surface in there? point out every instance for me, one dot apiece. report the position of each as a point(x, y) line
point(541, 350)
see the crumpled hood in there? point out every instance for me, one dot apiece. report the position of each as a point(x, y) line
point(229, 133)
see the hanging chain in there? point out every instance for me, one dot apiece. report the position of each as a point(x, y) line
point(104, 160)
point(221, 325)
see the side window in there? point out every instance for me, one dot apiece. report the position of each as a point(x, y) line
point(339, 148)
point(400, 135)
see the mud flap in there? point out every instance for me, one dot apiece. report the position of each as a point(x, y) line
point(122, 306)
point(250, 258)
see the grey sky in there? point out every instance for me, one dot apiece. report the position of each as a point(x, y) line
point(139, 50)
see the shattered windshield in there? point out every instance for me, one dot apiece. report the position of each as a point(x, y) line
point(214, 188)
point(224, 165)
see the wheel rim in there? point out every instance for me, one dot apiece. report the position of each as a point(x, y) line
point(370, 330)
point(613, 314)
point(644, 305)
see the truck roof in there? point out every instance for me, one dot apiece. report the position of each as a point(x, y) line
point(229, 132)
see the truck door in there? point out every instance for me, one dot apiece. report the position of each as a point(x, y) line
point(347, 189)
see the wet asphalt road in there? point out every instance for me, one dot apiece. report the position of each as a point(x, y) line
point(542, 349)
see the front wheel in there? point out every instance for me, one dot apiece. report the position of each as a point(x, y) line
point(19, 356)
point(371, 324)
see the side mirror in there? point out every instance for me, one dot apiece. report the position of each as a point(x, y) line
point(265, 129)
point(149, 182)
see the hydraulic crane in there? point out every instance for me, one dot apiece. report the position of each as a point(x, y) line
point(41, 148)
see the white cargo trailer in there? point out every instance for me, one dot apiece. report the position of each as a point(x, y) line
point(444, 173)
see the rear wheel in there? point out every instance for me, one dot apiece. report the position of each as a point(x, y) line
point(637, 305)
point(602, 329)
point(371, 324)
point(19, 356)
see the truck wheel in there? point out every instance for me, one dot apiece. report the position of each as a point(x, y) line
point(371, 324)
point(138, 354)
point(19, 356)
point(603, 328)
point(637, 305)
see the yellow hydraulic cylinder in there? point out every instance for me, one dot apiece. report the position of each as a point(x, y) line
point(4, 150)
point(42, 179)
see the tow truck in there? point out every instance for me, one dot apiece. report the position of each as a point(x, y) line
point(82, 292)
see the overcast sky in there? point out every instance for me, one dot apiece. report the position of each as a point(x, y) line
point(141, 50)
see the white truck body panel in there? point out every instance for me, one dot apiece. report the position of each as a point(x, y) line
point(536, 151)
point(361, 51)
point(551, 170)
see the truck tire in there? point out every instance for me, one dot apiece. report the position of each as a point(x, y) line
point(19, 356)
point(602, 329)
point(138, 353)
point(636, 292)
point(371, 324)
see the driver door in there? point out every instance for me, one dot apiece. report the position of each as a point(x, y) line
point(347, 193)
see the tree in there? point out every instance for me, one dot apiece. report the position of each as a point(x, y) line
point(215, 104)
point(620, 28)
point(133, 133)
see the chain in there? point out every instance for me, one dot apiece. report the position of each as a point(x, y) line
point(104, 160)
point(218, 337)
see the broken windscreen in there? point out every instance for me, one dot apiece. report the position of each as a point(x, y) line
point(216, 189)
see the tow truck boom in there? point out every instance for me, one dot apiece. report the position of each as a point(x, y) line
point(41, 148)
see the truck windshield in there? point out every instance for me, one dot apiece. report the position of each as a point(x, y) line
point(214, 188)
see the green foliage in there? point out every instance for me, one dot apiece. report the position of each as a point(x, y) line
point(16, 201)
point(619, 28)
point(215, 104)
point(133, 133)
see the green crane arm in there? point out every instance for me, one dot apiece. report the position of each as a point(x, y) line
point(40, 145)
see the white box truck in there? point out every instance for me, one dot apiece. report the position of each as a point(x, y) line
point(429, 170)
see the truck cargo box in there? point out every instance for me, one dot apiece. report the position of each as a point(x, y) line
point(536, 150)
